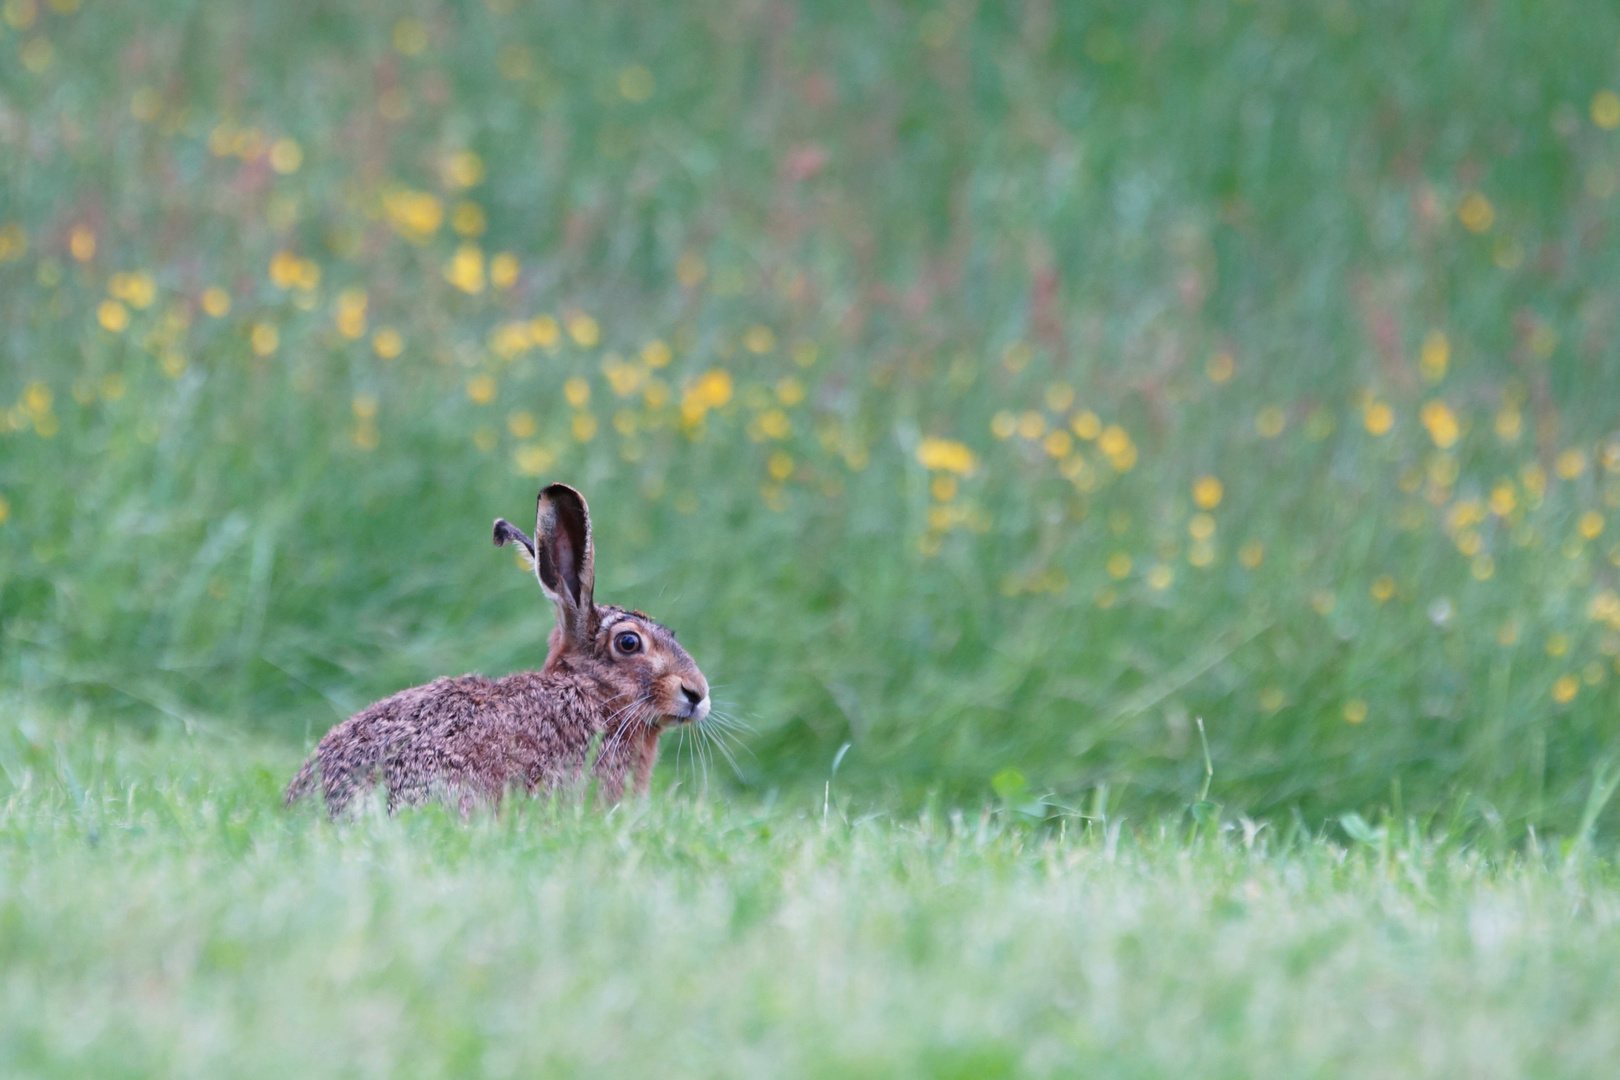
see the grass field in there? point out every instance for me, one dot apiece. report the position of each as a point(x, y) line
point(161, 916)
point(995, 391)
point(1144, 472)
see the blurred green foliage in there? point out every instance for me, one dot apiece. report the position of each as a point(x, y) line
point(988, 387)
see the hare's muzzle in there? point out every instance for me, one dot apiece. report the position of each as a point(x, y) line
point(695, 702)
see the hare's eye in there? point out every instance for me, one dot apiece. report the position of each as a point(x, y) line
point(627, 642)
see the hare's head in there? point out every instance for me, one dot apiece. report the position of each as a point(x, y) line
point(651, 676)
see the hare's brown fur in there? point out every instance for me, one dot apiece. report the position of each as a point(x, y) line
point(469, 739)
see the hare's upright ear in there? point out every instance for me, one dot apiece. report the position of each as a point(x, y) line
point(565, 561)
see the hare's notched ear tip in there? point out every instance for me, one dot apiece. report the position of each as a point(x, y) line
point(507, 533)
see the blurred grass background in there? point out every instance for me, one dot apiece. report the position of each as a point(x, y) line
point(998, 389)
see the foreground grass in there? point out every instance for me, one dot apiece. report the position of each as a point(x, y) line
point(160, 915)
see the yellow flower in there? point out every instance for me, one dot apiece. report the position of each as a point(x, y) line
point(943, 487)
point(1355, 711)
point(465, 270)
point(1057, 443)
point(946, 455)
point(577, 391)
point(462, 170)
point(1590, 525)
point(1441, 424)
point(1086, 425)
point(521, 424)
point(350, 313)
point(1220, 367)
point(1031, 425)
point(288, 271)
point(656, 354)
point(1476, 213)
point(1059, 396)
point(82, 243)
point(1201, 527)
point(264, 338)
point(624, 377)
point(216, 301)
point(415, 215)
point(468, 218)
point(1534, 479)
point(789, 391)
point(1435, 356)
point(410, 37)
point(1003, 424)
point(364, 406)
point(1570, 464)
point(503, 270)
point(286, 156)
point(584, 330)
point(711, 391)
point(1378, 417)
point(1605, 607)
point(138, 289)
point(37, 54)
point(1207, 492)
point(37, 399)
point(1118, 565)
point(774, 424)
point(1161, 577)
point(387, 343)
point(13, 242)
point(1565, 689)
point(584, 427)
point(1606, 109)
point(544, 331)
point(481, 389)
point(113, 316)
point(759, 340)
point(1503, 498)
point(1383, 587)
point(533, 460)
point(5, 510)
point(780, 466)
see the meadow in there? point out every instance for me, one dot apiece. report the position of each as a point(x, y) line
point(996, 392)
point(1142, 471)
point(160, 915)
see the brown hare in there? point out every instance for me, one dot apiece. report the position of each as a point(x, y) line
point(612, 679)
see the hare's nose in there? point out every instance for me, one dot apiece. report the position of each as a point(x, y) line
point(691, 695)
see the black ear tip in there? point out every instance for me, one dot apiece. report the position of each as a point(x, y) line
point(503, 532)
point(562, 493)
